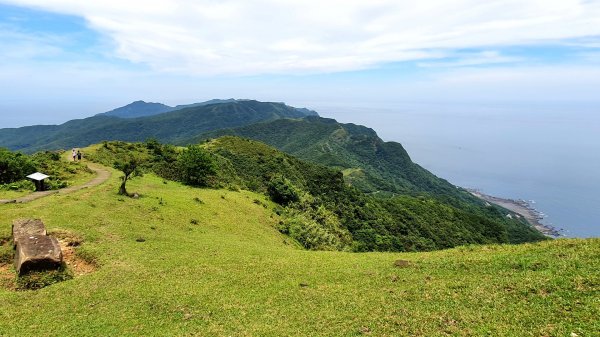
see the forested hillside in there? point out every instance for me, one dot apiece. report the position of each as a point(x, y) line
point(369, 163)
point(318, 208)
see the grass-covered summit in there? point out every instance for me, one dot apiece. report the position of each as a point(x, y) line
point(212, 262)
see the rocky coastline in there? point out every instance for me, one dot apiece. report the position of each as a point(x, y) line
point(522, 208)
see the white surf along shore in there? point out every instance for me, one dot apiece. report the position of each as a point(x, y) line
point(522, 208)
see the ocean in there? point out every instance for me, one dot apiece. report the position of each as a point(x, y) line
point(547, 154)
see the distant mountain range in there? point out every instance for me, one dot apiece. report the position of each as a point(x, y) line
point(144, 109)
point(140, 121)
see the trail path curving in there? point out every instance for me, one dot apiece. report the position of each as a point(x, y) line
point(102, 175)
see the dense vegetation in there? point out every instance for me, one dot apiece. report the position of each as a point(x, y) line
point(170, 127)
point(398, 223)
point(370, 164)
point(318, 208)
point(382, 169)
point(14, 166)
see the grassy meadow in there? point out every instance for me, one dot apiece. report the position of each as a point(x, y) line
point(205, 262)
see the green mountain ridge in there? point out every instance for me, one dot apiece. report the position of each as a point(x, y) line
point(369, 163)
point(145, 109)
point(172, 126)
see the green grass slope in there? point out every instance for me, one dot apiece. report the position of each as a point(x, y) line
point(320, 210)
point(171, 126)
point(400, 223)
point(212, 264)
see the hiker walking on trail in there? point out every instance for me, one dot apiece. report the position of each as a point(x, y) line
point(78, 155)
point(74, 154)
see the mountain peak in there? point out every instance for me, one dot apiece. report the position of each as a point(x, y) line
point(142, 108)
point(139, 102)
point(139, 109)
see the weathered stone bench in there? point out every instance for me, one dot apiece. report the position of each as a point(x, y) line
point(37, 253)
point(34, 249)
point(23, 228)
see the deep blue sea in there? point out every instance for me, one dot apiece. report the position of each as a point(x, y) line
point(548, 154)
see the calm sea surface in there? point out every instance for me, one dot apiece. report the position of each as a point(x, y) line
point(548, 154)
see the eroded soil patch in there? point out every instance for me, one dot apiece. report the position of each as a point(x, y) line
point(7, 277)
point(74, 262)
point(69, 244)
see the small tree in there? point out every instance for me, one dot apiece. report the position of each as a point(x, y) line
point(196, 166)
point(130, 168)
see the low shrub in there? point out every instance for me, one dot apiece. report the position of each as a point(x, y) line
point(282, 191)
point(21, 185)
point(197, 167)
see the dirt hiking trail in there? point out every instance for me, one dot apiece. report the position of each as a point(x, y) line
point(102, 175)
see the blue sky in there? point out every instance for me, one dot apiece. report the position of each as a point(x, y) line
point(65, 59)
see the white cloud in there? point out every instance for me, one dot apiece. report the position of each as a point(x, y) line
point(570, 83)
point(207, 37)
point(587, 42)
point(591, 57)
point(471, 59)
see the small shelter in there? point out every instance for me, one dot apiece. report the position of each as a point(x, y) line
point(38, 179)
